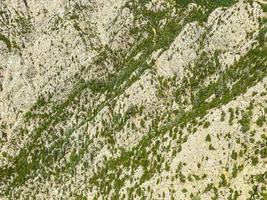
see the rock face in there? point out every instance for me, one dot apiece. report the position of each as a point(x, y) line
point(133, 99)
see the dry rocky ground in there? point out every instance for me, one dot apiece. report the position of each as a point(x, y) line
point(133, 99)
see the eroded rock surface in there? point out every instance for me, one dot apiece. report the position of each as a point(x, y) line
point(133, 99)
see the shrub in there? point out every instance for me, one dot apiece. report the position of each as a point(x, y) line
point(208, 138)
point(206, 124)
point(260, 121)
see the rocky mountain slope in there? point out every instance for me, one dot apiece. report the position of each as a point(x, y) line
point(133, 99)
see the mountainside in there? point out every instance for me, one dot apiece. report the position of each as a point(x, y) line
point(133, 99)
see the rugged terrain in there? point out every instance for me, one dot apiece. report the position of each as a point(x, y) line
point(133, 99)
